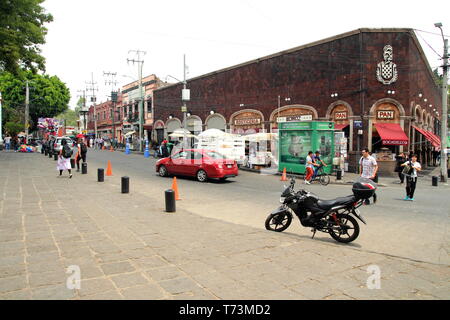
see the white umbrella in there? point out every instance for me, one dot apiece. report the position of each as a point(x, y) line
point(129, 133)
point(180, 133)
point(260, 136)
point(214, 133)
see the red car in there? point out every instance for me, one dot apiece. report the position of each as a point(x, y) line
point(199, 163)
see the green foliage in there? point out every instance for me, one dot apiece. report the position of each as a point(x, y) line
point(21, 32)
point(70, 116)
point(14, 128)
point(48, 96)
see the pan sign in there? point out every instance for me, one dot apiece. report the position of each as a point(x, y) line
point(385, 114)
point(340, 115)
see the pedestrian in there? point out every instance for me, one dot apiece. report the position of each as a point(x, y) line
point(65, 153)
point(15, 143)
point(8, 143)
point(164, 150)
point(368, 168)
point(91, 143)
point(400, 159)
point(411, 169)
point(319, 162)
point(81, 153)
point(309, 167)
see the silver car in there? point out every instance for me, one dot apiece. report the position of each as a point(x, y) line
point(57, 144)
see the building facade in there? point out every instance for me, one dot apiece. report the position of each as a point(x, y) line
point(375, 84)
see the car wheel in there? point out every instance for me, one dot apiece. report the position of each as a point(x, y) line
point(201, 175)
point(163, 171)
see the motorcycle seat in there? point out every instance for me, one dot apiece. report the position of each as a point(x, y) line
point(328, 204)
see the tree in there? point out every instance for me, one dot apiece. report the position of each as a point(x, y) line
point(21, 32)
point(14, 128)
point(70, 116)
point(49, 96)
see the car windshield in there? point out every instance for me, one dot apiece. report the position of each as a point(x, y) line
point(215, 155)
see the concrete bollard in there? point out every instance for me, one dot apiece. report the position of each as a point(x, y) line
point(100, 175)
point(84, 168)
point(434, 181)
point(125, 184)
point(338, 174)
point(170, 200)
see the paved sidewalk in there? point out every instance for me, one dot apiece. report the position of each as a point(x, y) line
point(127, 247)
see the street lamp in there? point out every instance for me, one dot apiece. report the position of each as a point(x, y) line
point(444, 107)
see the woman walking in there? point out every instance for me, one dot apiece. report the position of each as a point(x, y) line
point(64, 158)
point(411, 176)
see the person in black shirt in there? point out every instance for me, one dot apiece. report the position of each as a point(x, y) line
point(400, 159)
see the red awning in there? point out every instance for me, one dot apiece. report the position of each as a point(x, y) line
point(391, 134)
point(430, 137)
point(340, 126)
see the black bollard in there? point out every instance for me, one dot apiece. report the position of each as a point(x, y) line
point(170, 200)
point(84, 168)
point(49, 155)
point(46, 152)
point(55, 157)
point(100, 175)
point(448, 173)
point(125, 184)
point(434, 181)
point(72, 163)
point(42, 150)
point(338, 174)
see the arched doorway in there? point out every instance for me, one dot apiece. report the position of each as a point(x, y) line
point(216, 121)
point(247, 121)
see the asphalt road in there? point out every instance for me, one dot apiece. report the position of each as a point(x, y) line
point(416, 230)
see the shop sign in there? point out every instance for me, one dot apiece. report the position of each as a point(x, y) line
point(340, 115)
point(303, 117)
point(385, 114)
point(357, 124)
point(242, 122)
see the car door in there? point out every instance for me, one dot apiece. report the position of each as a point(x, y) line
point(176, 163)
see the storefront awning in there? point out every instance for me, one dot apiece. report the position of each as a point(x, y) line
point(391, 134)
point(435, 141)
point(340, 126)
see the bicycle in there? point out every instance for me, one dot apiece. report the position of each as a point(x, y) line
point(324, 178)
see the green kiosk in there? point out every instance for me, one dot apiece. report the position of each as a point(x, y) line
point(297, 138)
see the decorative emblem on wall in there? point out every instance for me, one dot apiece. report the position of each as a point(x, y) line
point(387, 70)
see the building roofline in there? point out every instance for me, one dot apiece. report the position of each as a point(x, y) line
point(305, 46)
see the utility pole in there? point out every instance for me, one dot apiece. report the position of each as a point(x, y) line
point(185, 96)
point(93, 100)
point(83, 109)
point(1, 134)
point(444, 114)
point(27, 109)
point(141, 94)
point(113, 84)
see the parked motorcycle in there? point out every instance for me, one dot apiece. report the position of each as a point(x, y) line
point(330, 216)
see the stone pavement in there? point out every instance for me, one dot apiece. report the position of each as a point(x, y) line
point(127, 247)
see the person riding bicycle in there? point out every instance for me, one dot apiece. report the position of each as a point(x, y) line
point(319, 162)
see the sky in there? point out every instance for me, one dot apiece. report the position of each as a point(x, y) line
point(90, 38)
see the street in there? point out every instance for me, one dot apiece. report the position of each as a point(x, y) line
point(414, 230)
point(214, 247)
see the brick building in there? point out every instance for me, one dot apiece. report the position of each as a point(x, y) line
point(376, 84)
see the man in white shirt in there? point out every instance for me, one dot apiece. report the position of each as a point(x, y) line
point(7, 143)
point(310, 164)
point(368, 168)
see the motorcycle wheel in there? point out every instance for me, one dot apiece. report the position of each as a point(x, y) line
point(324, 179)
point(278, 222)
point(342, 233)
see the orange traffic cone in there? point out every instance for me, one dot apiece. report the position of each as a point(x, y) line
point(109, 169)
point(175, 188)
point(283, 176)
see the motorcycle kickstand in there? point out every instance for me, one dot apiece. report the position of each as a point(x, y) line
point(314, 233)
